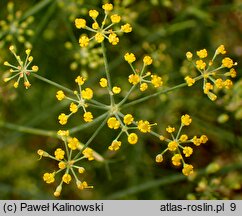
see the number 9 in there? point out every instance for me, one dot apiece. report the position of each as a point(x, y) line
point(232, 206)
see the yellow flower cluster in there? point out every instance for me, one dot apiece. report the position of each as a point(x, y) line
point(139, 77)
point(104, 29)
point(80, 101)
point(214, 80)
point(67, 162)
point(176, 145)
point(22, 70)
point(115, 122)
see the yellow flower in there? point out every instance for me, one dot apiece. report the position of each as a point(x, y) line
point(80, 23)
point(203, 139)
point(129, 57)
point(132, 138)
point(173, 145)
point(190, 81)
point(49, 177)
point(128, 119)
point(126, 28)
point(60, 95)
point(58, 191)
point(62, 165)
point(232, 73)
point(208, 86)
point(228, 84)
point(115, 18)
point(81, 170)
point(202, 53)
point(156, 81)
point(63, 118)
point(73, 143)
point(93, 13)
point(170, 129)
point(176, 160)
point(87, 93)
point(189, 55)
point(59, 154)
point(144, 126)
point(113, 39)
point(116, 90)
point(95, 25)
point(186, 120)
point(15, 85)
point(83, 41)
point(134, 79)
point(99, 37)
point(221, 50)
point(196, 141)
point(113, 123)
point(219, 83)
point(88, 117)
point(183, 138)
point(63, 132)
point(143, 87)
point(115, 145)
point(27, 84)
point(103, 82)
point(159, 158)
point(88, 153)
point(107, 7)
point(212, 96)
point(42, 153)
point(187, 169)
point(80, 80)
point(66, 178)
point(83, 185)
point(187, 151)
point(35, 68)
point(227, 62)
point(200, 64)
point(147, 60)
point(73, 107)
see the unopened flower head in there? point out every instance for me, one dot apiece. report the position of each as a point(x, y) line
point(15, 28)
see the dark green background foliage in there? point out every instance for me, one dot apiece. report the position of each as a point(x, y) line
point(164, 29)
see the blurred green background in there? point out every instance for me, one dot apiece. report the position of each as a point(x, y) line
point(164, 29)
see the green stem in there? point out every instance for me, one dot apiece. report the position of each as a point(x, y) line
point(107, 73)
point(153, 95)
point(28, 129)
point(52, 83)
point(126, 97)
point(92, 137)
point(87, 125)
point(158, 93)
point(179, 131)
